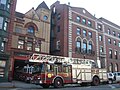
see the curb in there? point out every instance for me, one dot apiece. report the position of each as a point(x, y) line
point(7, 85)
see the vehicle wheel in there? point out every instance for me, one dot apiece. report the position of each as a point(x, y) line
point(45, 86)
point(58, 83)
point(26, 80)
point(96, 81)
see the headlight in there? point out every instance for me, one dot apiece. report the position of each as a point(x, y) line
point(39, 78)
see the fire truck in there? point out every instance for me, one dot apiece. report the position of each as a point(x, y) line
point(57, 71)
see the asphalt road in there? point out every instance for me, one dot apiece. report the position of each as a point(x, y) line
point(71, 87)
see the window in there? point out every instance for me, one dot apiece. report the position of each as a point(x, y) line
point(58, 28)
point(29, 45)
point(101, 49)
point(118, 35)
point(100, 38)
point(114, 33)
point(3, 46)
point(58, 45)
point(90, 34)
point(116, 56)
point(99, 27)
point(37, 47)
point(18, 30)
point(83, 21)
point(78, 19)
point(89, 23)
point(2, 68)
point(65, 69)
point(78, 31)
point(85, 46)
point(110, 53)
point(90, 46)
point(78, 45)
point(45, 17)
point(5, 25)
point(111, 67)
point(8, 7)
point(58, 16)
point(30, 30)
point(114, 42)
point(109, 41)
point(119, 44)
point(3, 2)
point(21, 44)
point(1, 22)
point(84, 33)
point(109, 31)
point(116, 67)
point(54, 10)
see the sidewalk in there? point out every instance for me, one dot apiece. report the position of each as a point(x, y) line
point(7, 85)
point(18, 84)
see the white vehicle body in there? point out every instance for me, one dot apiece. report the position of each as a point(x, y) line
point(117, 76)
point(86, 74)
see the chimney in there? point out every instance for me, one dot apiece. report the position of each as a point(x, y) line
point(68, 3)
point(55, 4)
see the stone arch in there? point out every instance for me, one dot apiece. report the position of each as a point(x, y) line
point(111, 67)
point(91, 41)
point(31, 24)
point(77, 38)
point(116, 67)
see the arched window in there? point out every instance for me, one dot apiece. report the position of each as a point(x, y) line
point(78, 45)
point(111, 67)
point(90, 47)
point(116, 67)
point(85, 46)
point(30, 30)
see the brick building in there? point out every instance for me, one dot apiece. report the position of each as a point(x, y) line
point(77, 33)
point(109, 44)
point(7, 10)
point(31, 34)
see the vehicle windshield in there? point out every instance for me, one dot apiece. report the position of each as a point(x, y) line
point(37, 68)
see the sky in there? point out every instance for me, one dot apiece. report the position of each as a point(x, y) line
point(108, 9)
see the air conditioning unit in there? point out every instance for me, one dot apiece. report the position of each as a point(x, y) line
point(7, 20)
point(5, 39)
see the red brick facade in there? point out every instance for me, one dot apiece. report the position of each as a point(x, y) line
point(92, 31)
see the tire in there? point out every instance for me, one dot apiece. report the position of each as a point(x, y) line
point(96, 81)
point(45, 86)
point(58, 83)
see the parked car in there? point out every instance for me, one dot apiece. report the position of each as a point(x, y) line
point(111, 77)
point(117, 76)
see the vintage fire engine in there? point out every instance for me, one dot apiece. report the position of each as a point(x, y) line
point(58, 71)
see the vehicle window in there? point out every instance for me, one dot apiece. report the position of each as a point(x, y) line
point(37, 68)
point(59, 68)
point(65, 69)
point(118, 74)
point(110, 74)
point(50, 68)
point(115, 74)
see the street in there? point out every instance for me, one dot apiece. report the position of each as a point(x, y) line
point(70, 87)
